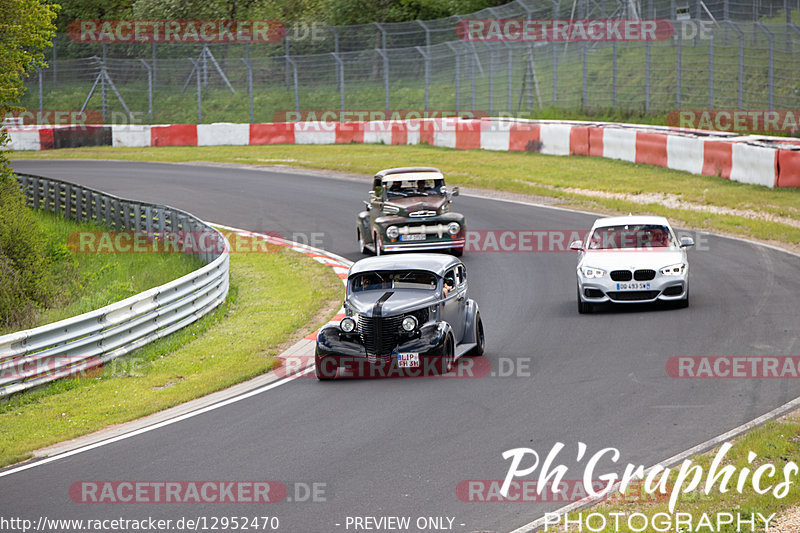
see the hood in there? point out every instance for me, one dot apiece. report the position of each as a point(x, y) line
point(390, 302)
point(419, 203)
point(653, 258)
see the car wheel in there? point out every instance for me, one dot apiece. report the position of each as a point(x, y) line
point(447, 360)
point(362, 247)
point(583, 307)
point(480, 339)
point(376, 242)
point(324, 372)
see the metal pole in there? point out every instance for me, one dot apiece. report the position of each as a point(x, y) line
point(155, 64)
point(427, 74)
point(555, 73)
point(491, 80)
point(457, 57)
point(335, 38)
point(385, 58)
point(678, 73)
point(472, 73)
point(287, 61)
point(103, 83)
point(614, 74)
point(787, 12)
point(711, 72)
point(249, 79)
point(383, 34)
point(585, 73)
point(54, 65)
point(510, 74)
point(647, 76)
point(41, 92)
point(198, 74)
point(149, 90)
point(340, 79)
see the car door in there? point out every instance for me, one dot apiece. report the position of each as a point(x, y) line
point(452, 310)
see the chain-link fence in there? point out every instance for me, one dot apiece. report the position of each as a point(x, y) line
point(727, 54)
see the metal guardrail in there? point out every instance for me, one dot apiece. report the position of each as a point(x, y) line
point(69, 347)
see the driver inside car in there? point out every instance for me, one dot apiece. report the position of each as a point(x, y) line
point(449, 284)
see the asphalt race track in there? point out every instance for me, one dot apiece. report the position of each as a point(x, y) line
point(399, 447)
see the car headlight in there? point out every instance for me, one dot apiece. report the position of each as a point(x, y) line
point(390, 209)
point(445, 208)
point(591, 272)
point(347, 324)
point(409, 324)
point(392, 232)
point(674, 270)
point(453, 228)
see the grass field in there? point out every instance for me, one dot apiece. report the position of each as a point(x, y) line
point(774, 214)
point(274, 298)
point(90, 281)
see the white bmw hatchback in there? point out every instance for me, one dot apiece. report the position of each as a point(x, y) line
point(632, 259)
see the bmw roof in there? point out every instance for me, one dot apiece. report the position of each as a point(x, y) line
point(436, 263)
point(630, 219)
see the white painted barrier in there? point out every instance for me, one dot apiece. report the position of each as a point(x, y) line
point(223, 133)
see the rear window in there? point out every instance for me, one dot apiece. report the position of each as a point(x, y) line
point(405, 279)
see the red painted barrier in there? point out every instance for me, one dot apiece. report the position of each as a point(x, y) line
point(579, 140)
point(174, 135)
point(788, 168)
point(349, 132)
point(717, 158)
point(46, 140)
point(596, 141)
point(427, 126)
point(524, 137)
point(468, 134)
point(399, 132)
point(272, 133)
point(651, 148)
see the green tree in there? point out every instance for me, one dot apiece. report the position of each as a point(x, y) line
point(26, 27)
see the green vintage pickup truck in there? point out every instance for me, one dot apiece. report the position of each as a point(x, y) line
point(409, 210)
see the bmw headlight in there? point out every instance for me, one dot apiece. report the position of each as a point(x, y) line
point(392, 232)
point(674, 270)
point(591, 272)
point(347, 324)
point(453, 228)
point(409, 324)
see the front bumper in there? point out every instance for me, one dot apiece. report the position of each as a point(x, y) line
point(661, 288)
point(416, 246)
point(337, 350)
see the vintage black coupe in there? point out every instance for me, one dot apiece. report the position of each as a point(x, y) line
point(408, 315)
point(409, 210)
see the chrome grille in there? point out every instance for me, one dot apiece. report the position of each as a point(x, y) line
point(423, 213)
point(379, 334)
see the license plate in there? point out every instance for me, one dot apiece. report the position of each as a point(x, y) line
point(408, 360)
point(413, 237)
point(633, 286)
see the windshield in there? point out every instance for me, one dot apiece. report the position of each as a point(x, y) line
point(409, 279)
point(403, 188)
point(630, 236)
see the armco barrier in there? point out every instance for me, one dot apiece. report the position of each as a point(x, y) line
point(37, 356)
point(748, 159)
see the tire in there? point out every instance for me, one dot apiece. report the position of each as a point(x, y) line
point(447, 361)
point(480, 339)
point(583, 307)
point(324, 374)
point(362, 247)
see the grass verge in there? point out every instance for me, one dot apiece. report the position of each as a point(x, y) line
point(777, 442)
point(566, 179)
point(274, 298)
point(87, 282)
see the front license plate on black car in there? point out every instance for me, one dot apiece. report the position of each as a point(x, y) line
point(408, 360)
point(633, 286)
point(413, 237)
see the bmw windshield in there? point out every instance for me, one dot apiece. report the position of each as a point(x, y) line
point(630, 236)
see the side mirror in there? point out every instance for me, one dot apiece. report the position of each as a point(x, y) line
point(366, 203)
point(687, 242)
point(372, 196)
point(454, 191)
point(576, 245)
